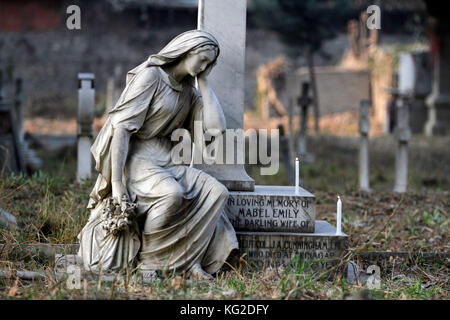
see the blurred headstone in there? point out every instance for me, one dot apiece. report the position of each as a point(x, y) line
point(403, 134)
point(414, 81)
point(32, 162)
point(364, 128)
point(86, 108)
point(11, 155)
point(406, 74)
point(438, 101)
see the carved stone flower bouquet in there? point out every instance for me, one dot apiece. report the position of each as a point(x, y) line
point(117, 217)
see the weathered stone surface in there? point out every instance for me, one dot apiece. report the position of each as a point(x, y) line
point(272, 209)
point(320, 250)
point(227, 80)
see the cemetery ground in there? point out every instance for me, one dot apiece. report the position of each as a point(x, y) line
point(50, 208)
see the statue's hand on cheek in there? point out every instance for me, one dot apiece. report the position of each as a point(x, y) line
point(205, 73)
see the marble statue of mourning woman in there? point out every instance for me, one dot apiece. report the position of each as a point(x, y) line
point(146, 211)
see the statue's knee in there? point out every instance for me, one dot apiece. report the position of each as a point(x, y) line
point(174, 199)
point(221, 190)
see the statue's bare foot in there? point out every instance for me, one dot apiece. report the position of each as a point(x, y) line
point(198, 273)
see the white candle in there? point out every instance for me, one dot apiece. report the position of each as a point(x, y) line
point(339, 216)
point(297, 176)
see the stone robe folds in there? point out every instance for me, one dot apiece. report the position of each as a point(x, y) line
point(180, 209)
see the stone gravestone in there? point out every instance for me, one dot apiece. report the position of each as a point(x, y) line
point(226, 20)
point(272, 223)
point(86, 102)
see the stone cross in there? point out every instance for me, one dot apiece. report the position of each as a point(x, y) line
point(403, 134)
point(86, 102)
point(364, 128)
point(303, 101)
point(226, 21)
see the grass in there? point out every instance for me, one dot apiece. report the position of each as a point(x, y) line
point(404, 283)
point(51, 208)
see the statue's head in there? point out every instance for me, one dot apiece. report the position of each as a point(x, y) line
point(197, 60)
point(198, 49)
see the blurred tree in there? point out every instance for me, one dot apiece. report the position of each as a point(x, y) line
point(303, 25)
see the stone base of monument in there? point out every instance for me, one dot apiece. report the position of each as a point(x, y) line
point(275, 225)
point(319, 250)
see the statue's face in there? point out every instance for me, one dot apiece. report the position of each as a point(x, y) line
point(198, 62)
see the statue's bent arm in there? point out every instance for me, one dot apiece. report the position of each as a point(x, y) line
point(119, 145)
point(213, 116)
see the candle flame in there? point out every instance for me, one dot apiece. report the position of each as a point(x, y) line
point(296, 158)
point(339, 198)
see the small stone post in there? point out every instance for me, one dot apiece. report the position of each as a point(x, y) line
point(403, 134)
point(86, 102)
point(364, 128)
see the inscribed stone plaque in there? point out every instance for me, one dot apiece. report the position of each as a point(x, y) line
point(272, 209)
point(319, 250)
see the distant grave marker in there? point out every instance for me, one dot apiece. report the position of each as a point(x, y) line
point(86, 103)
point(11, 156)
point(364, 128)
point(403, 134)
